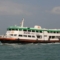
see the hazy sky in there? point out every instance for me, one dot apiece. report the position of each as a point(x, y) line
point(45, 13)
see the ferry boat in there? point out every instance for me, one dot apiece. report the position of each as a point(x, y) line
point(21, 34)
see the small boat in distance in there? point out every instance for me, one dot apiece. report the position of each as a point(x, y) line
point(21, 34)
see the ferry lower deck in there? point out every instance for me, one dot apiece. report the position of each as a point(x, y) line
point(24, 41)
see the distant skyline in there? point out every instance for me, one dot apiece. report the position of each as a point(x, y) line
point(45, 13)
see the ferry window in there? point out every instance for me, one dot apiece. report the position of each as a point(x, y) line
point(20, 29)
point(38, 36)
point(33, 30)
point(20, 35)
point(48, 31)
point(16, 29)
point(25, 35)
point(29, 30)
point(51, 31)
point(29, 35)
point(15, 35)
point(54, 32)
point(9, 29)
point(37, 31)
point(13, 29)
point(53, 37)
point(40, 31)
point(24, 30)
point(58, 32)
point(50, 36)
point(33, 36)
point(57, 36)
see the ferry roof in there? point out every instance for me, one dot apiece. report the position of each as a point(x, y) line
point(29, 28)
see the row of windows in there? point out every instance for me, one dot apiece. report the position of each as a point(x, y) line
point(38, 36)
point(25, 30)
point(34, 30)
point(26, 36)
point(22, 35)
point(53, 31)
point(54, 37)
point(13, 34)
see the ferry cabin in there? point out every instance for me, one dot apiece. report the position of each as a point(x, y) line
point(33, 33)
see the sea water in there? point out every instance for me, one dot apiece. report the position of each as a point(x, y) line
point(30, 51)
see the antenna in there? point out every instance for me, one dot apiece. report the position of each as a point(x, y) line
point(22, 23)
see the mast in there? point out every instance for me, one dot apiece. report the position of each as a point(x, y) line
point(22, 23)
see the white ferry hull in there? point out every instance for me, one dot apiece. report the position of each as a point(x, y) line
point(24, 41)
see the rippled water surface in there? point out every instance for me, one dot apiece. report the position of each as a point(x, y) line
point(30, 51)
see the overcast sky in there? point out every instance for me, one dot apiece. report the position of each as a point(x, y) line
point(45, 13)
